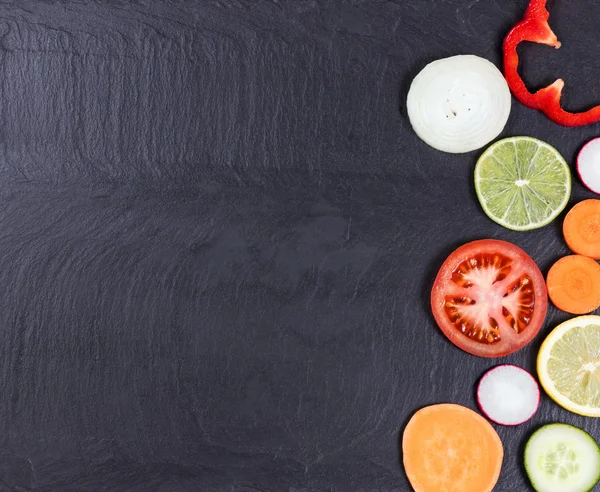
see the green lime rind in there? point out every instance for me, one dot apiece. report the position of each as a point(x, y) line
point(522, 183)
point(562, 458)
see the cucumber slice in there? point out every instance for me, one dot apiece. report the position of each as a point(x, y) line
point(562, 458)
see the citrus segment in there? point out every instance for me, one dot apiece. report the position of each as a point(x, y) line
point(522, 183)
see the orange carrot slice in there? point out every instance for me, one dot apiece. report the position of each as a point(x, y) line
point(581, 228)
point(450, 448)
point(573, 284)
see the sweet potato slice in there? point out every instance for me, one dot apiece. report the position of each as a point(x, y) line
point(451, 448)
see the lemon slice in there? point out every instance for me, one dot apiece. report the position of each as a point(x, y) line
point(568, 365)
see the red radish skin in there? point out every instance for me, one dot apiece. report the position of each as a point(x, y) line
point(490, 373)
point(588, 159)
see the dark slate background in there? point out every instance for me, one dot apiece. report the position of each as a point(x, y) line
point(218, 235)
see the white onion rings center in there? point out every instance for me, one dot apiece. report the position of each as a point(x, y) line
point(459, 104)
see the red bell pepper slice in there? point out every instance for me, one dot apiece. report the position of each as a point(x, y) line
point(534, 27)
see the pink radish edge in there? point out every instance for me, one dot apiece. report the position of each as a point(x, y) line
point(586, 147)
point(489, 373)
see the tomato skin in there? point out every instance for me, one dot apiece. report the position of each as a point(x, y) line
point(521, 264)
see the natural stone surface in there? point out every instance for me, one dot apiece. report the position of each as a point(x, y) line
point(218, 235)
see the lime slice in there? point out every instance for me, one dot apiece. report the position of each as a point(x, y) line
point(522, 183)
point(568, 365)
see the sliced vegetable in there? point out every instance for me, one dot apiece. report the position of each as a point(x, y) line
point(581, 228)
point(573, 284)
point(588, 165)
point(451, 448)
point(458, 104)
point(489, 298)
point(534, 27)
point(562, 458)
point(508, 395)
point(568, 365)
point(522, 183)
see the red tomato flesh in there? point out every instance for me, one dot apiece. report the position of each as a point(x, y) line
point(489, 298)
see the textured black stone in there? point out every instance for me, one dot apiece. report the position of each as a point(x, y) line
point(218, 235)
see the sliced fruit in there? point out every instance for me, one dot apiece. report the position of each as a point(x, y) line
point(489, 298)
point(458, 104)
point(581, 228)
point(588, 165)
point(562, 458)
point(573, 284)
point(508, 395)
point(522, 183)
point(451, 448)
point(568, 365)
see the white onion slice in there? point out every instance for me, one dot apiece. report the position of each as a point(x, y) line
point(458, 104)
point(588, 165)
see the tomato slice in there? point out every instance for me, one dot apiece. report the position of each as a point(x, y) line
point(489, 298)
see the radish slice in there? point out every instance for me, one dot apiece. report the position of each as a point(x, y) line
point(588, 165)
point(458, 104)
point(508, 395)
